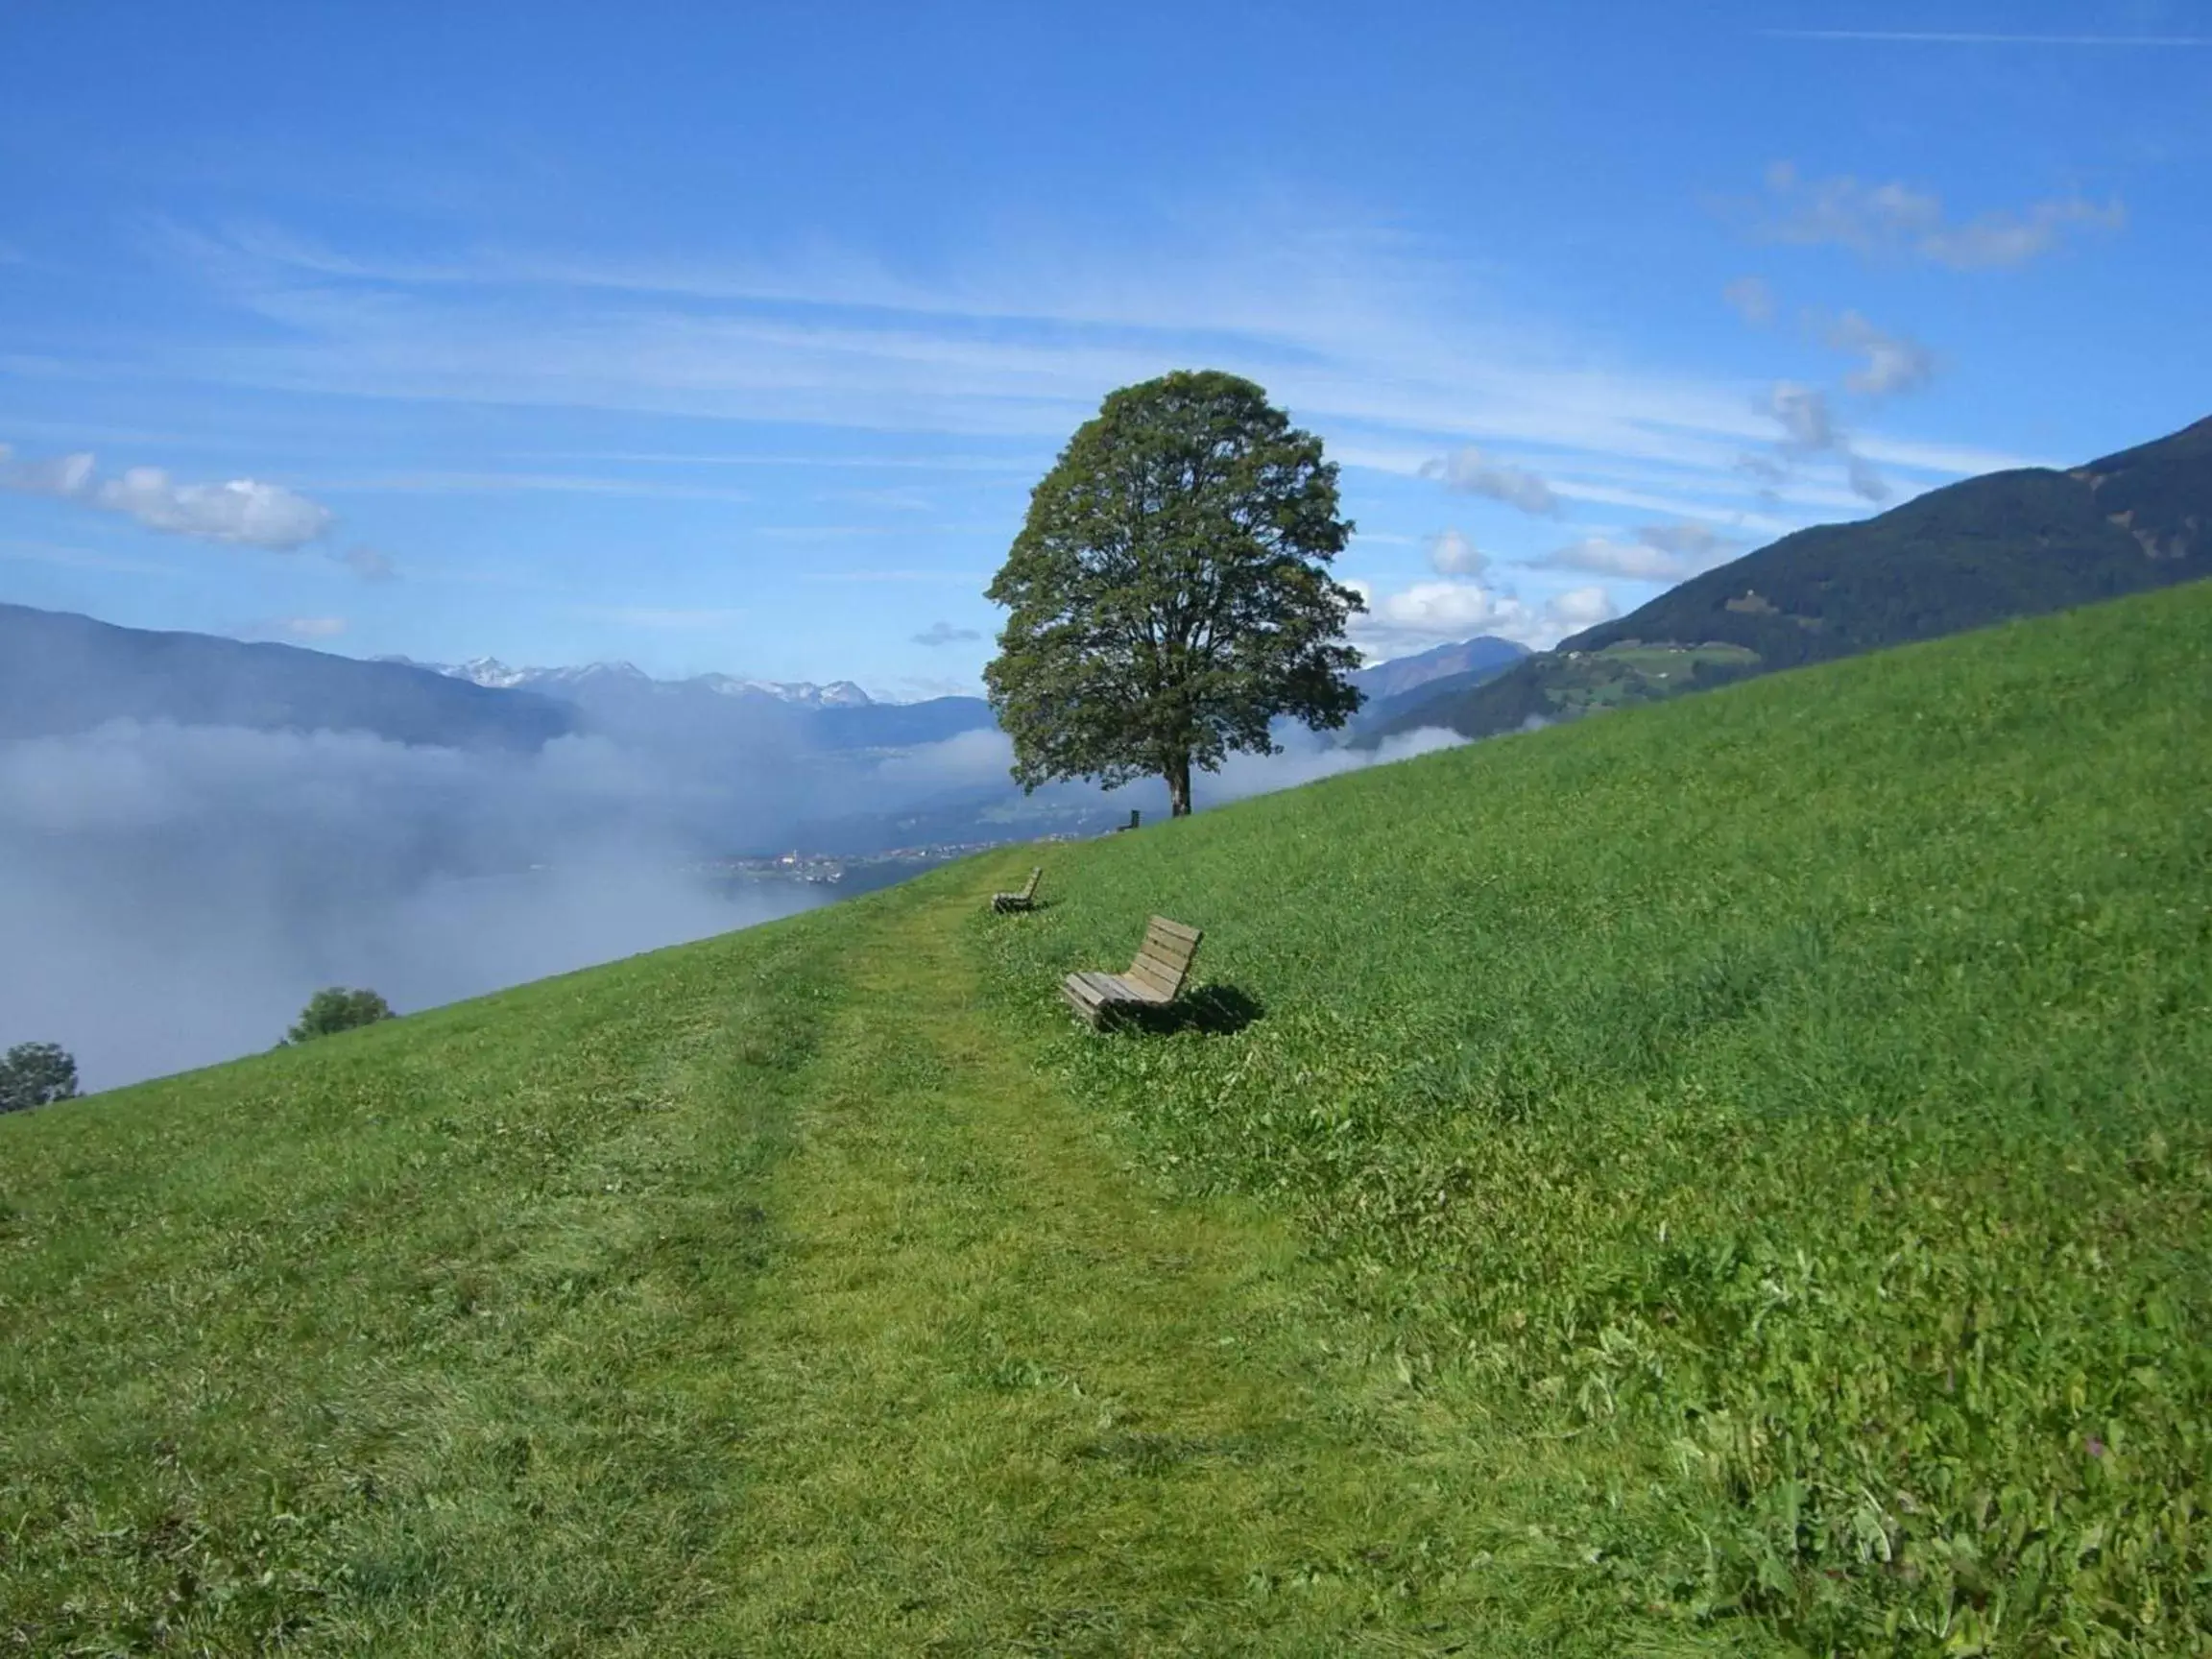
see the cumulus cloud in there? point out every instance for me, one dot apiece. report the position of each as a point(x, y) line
point(1802, 412)
point(1809, 428)
point(1701, 544)
point(1443, 612)
point(1899, 221)
point(242, 511)
point(1452, 554)
point(1468, 472)
point(1750, 298)
point(1603, 556)
point(1866, 482)
point(1894, 362)
point(945, 634)
point(65, 475)
point(1581, 608)
point(1429, 613)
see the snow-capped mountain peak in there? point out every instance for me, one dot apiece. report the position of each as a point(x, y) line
point(593, 675)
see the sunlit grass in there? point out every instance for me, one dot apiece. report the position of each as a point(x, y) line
point(1790, 1104)
point(1728, 1176)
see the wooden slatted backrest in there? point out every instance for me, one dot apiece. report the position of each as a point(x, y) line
point(1029, 887)
point(1163, 960)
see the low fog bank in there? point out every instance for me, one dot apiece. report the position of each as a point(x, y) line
point(170, 895)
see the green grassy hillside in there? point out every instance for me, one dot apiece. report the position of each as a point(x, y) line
point(1727, 1178)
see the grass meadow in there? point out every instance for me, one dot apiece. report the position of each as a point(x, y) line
point(1730, 1176)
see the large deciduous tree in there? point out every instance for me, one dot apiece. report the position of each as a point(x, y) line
point(1169, 593)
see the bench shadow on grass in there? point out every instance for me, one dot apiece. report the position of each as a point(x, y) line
point(1215, 1010)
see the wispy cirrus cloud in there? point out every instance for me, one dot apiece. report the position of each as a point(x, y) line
point(1366, 333)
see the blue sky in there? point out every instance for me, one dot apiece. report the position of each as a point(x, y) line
point(732, 338)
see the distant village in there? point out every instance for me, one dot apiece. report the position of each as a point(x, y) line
point(849, 871)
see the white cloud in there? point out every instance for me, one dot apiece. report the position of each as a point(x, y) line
point(1750, 298)
point(1803, 414)
point(1602, 555)
point(1809, 428)
point(1898, 220)
point(1466, 470)
point(1701, 544)
point(1364, 333)
point(256, 514)
point(1894, 362)
point(1865, 482)
point(1433, 613)
point(945, 634)
point(1581, 608)
point(1452, 554)
point(1306, 758)
point(242, 511)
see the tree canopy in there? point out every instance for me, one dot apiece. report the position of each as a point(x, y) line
point(36, 1074)
point(334, 1010)
point(1170, 592)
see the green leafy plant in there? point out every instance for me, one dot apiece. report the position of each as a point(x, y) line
point(334, 1009)
point(36, 1074)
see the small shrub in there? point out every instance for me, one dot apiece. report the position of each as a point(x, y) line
point(36, 1074)
point(332, 1010)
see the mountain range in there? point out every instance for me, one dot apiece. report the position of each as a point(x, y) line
point(61, 673)
point(577, 684)
point(2012, 543)
point(1404, 682)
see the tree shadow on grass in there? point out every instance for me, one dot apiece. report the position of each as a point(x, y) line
point(1216, 1010)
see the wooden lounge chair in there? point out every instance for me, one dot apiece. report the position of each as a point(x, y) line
point(1153, 980)
point(1025, 899)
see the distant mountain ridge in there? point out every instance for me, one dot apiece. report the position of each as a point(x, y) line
point(63, 673)
point(489, 671)
point(718, 710)
point(1402, 673)
point(2013, 543)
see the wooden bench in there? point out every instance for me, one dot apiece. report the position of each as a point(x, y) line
point(1125, 828)
point(1025, 899)
point(1153, 980)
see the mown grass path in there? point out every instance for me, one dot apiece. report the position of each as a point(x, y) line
point(1006, 1399)
point(1009, 1400)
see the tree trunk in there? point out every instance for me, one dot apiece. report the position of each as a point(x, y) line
point(1177, 772)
